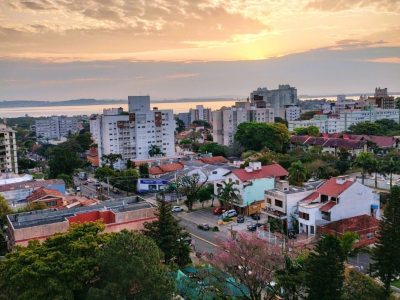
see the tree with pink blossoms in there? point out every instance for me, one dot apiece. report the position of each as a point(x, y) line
point(252, 262)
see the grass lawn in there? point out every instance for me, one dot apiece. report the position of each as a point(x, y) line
point(396, 283)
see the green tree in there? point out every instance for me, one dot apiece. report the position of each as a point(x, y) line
point(63, 161)
point(180, 125)
point(228, 194)
point(215, 149)
point(62, 267)
point(84, 140)
point(205, 193)
point(291, 278)
point(310, 130)
point(202, 123)
point(154, 150)
point(390, 165)
point(360, 286)
point(189, 186)
point(169, 235)
point(386, 251)
point(325, 269)
point(144, 170)
point(297, 173)
point(367, 127)
point(129, 267)
point(110, 159)
point(366, 162)
point(343, 163)
point(308, 115)
point(256, 136)
point(347, 242)
point(5, 210)
point(69, 182)
point(102, 173)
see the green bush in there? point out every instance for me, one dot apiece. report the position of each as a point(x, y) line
point(215, 229)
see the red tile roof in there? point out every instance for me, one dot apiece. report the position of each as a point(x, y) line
point(42, 192)
point(311, 198)
point(214, 160)
point(327, 207)
point(167, 168)
point(334, 189)
point(274, 170)
point(355, 224)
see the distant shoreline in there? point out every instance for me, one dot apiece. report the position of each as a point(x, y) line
point(86, 102)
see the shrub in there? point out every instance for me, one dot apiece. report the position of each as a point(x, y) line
point(215, 229)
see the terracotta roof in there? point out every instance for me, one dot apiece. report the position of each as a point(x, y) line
point(380, 141)
point(214, 160)
point(42, 192)
point(167, 168)
point(332, 188)
point(311, 197)
point(355, 224)
point(328, 141)
point(274, 170)
point(327, 207)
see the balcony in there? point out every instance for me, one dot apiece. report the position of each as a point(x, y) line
point(274, 213)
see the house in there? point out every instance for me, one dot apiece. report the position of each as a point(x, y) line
point(157, 171)
point(55, 199)
point(251, 183)
point(337, 199)
point(365, 226)
point(16, 193)
point(282, 202)
point(92, 157)
point(116, 215)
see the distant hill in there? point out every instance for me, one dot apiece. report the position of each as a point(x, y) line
point(30, 103)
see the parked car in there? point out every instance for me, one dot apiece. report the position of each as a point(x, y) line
point(78, 189)
point(187, 240)
point(218, 211)
point(204, 226)
point(176, 209)
point(85, 182)
point(229, 213)
point(240, 219)
point(97, 183)
point(252, 227)
point(256, 217)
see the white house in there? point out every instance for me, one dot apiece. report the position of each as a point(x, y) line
point(282, 202)
point(338, 198)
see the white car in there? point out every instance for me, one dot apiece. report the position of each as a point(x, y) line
point(176, 209)
point(78, 189)
point(230, 213)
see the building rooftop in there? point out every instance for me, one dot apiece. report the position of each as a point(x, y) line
point(354, 224)
point(308, 186)
point(49, 216)
point(274, 170)
point(29, 184)
point(335, 186)
point(214, 160)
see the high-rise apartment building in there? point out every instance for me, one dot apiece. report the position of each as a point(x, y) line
point(8, 150)
point(276, 99)
point(226, 120)
point(133, 134)
point(54, 128)
point(381, 99)
point(200, 113)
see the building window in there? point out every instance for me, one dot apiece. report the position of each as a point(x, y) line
point(278, 203)
point(312, 230)
point(304, 216)
point(269, 200)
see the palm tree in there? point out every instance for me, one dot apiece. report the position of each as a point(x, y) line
point(390, 167)
point(227, 194)
point(366, 162)
point(297, 173)
point(155, 150)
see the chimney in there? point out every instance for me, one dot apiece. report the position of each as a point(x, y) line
point(341, 179)
point(255, 165)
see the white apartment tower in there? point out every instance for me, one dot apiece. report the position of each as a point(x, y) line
point(226, 120)
point(8, 150)
point(54, 128)
point(134, 133)
point(200, 113)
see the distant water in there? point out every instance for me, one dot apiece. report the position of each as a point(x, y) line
point(45, 111)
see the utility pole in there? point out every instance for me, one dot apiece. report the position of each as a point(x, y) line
point(108, 186)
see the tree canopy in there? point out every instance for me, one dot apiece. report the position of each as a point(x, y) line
point(256, 136)
point(215, 149)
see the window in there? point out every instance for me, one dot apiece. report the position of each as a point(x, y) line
point(278, 203)
point(311, 229)
point(304, 216)
point(269, 200)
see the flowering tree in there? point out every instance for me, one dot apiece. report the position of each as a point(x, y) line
point(252, 262)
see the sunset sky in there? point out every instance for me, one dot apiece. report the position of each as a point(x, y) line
point(65, 49)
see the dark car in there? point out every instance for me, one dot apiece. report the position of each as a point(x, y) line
point(205, 227)
point(240, 219)
point(218, 211)
point(256, 217)
point(252, 227)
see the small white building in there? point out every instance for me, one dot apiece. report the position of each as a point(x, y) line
point(338, 198)
point(292, 112)
point(282, 202)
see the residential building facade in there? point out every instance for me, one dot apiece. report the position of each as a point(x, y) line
point(292, 112)
point(8, 150)
point(337, 199)
point(200, 113)
point(227, 119)
point(276, 99)
point(133, 134)
point(55, 128)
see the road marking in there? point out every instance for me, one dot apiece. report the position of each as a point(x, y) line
point(204, 240)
